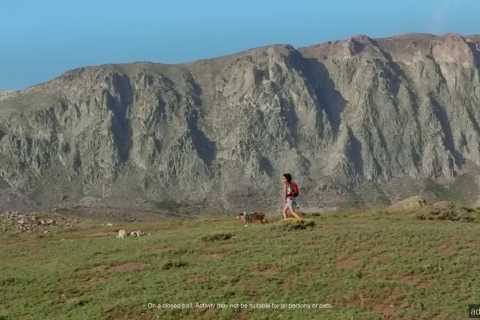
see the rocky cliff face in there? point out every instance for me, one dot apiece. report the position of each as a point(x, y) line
point(356, 120)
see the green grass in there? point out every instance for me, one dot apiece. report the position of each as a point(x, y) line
point(366, 265)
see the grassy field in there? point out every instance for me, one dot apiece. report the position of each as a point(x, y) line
point(365, 265)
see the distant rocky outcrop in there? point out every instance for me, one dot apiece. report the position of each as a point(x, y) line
point(6, 94)
point(356, 121)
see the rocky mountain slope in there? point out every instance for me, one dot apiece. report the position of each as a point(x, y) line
point(363, 119)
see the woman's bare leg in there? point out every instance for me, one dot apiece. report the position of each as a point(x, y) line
point(289, 207)
point(284, 212)
point(295, 214)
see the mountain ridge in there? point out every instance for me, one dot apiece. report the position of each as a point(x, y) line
point(217, 133)
point(408, 35)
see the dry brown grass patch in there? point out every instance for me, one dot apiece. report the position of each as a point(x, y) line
point(128, 267)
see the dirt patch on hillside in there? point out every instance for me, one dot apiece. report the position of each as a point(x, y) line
point(415, 280)
point(455, 246)
point(213, 256)
point(380, 259)
point(128, 267)
point(347, 262)
point(265, 269)
point(385, 303)
point(447, 249)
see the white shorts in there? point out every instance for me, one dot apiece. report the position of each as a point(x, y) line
point(290, 204)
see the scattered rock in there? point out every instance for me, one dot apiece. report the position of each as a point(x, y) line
point(34, 221)
point(122, 234)
point(137, 233)
point(443, 205)
point(252, 217)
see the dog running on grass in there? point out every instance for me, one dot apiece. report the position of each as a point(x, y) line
point(253, 217)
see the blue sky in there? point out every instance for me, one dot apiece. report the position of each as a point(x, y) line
point(41, 39)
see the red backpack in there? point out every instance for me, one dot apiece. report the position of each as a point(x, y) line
point(295, 189)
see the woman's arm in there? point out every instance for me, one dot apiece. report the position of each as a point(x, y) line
point(289, 194)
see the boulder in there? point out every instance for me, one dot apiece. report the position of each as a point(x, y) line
point(408, 204)
point(137, 233)
point(122, 234)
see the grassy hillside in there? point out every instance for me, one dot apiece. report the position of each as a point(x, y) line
point(365, 265)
